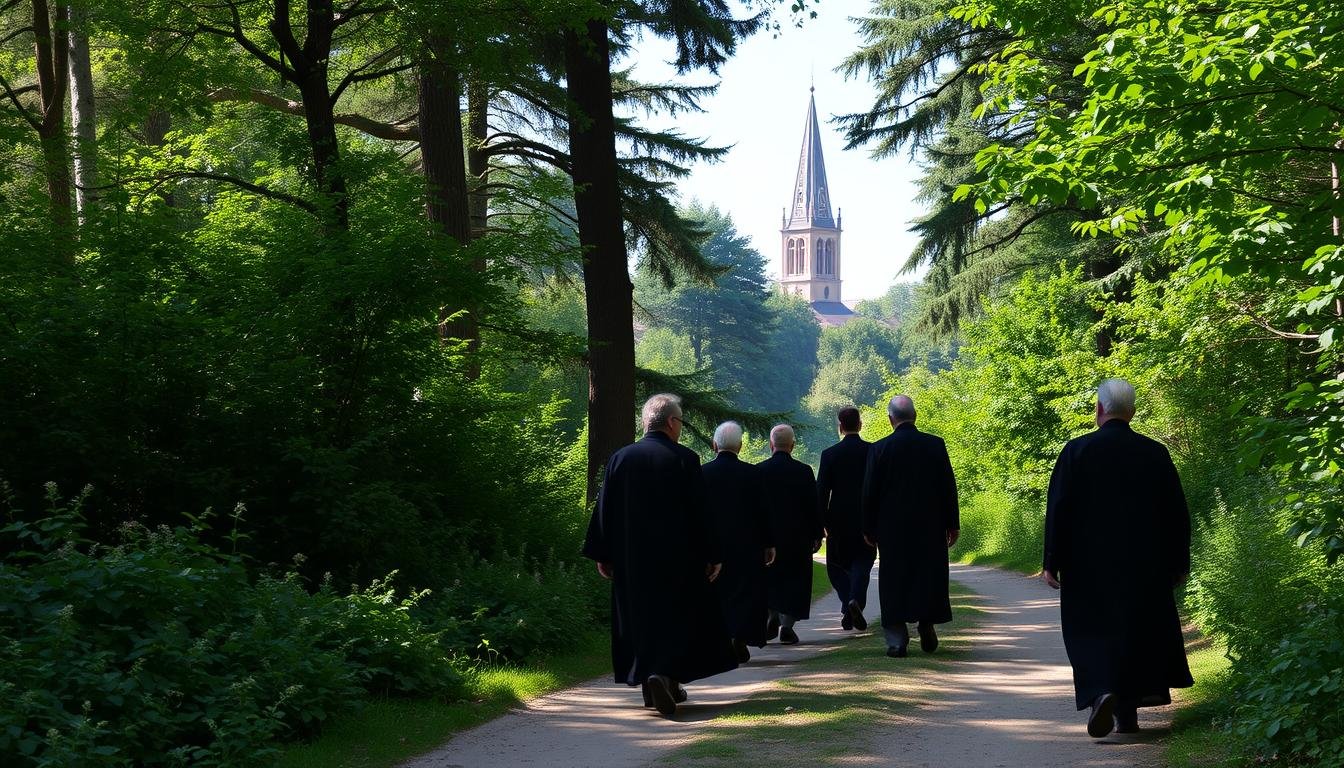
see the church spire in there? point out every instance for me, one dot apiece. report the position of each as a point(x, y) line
point(811, 205)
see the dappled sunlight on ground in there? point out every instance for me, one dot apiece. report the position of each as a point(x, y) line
point(998, 692)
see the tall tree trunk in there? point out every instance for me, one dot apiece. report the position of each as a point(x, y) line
point(606, 273)
point(1098, 267)
point(321, 122)
point(51, 50)
point(478, 163)
point(82, 116)
point(441, 154)
point(157, 124)
point(308, 69)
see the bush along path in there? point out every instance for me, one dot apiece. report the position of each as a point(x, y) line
point(997, 693)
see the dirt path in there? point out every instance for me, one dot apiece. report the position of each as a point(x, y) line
point(998, 694)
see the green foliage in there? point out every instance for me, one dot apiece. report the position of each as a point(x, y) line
point(1210, 136)
point(162, 651)
point(513, 608)
point(1291, 707)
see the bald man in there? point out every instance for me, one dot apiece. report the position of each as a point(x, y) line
point(790, 491)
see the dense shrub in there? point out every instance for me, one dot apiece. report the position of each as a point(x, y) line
point(162, 651)
point(1293, 707)
point(997, 529)
point(513, 608)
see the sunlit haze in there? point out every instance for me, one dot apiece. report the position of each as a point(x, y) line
point(759, 111)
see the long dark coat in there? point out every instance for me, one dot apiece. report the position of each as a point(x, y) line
point(652, 526)
point(1117, 534)
point(839, 501)
point(791, 499)
point(737, 508)
point(909, 504)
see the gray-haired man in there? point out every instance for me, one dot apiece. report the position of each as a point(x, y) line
point(910, 514)
point(791, 498)
point(1117, 543)
point(651, 536)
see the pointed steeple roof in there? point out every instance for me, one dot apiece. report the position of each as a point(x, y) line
point(811, 204)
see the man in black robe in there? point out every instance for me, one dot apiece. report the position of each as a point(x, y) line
point(849, 559)
point(651, 535)
point(791, 499)
point(737, 508)
point(910, 513)
point(1117, 544)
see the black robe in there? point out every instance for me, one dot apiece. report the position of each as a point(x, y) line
point(909, 504)
point(651, 525)
point(791, 500)
point(1117, 535)
point(736, 506)
point(839, 492)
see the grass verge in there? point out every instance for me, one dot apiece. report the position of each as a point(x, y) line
point(387, 732)
point(819, 711)
point(1196, 741)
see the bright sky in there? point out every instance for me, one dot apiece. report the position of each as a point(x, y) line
point(759, 110)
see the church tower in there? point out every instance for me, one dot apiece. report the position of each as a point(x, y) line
point(810, 235)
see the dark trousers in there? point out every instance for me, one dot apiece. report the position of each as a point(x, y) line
point(851, 580)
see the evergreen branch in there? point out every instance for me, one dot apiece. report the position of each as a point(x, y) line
point(379, 130)
point(16, 34)
point(257, 189)
point(14, 97)
point(362, 73)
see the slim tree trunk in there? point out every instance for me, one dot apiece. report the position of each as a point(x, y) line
point(441, 154)
point(82, 116)
point(606, 273)
point(321, 122)
point(308, 69)
point(478, 163)
point(157, 124)
point(51, 50)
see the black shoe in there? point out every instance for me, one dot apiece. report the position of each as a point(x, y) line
point(928, 637)
point(1102, 720)
point(740, 651)
point(771, 628)
point(787, 636)
point(1126, 719)
point(661, 694)
point(679, 695)
point(846, 623)
point(856, 615)
point(896, 651)
point(648, 694)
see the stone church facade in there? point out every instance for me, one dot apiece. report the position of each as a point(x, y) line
point(810, 256)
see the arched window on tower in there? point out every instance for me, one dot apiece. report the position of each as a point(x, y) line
point(788, 259)
point(830, 256)
point(802, 256)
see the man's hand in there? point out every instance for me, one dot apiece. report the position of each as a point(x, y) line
point(712, 571)
point(816, 546)
point(1050, 579)
point(952, 534)
point(769, 555)
point(605, 570)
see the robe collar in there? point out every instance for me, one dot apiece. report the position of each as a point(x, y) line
point(907, 425)
point(657, 434)
point(727, 456)
point(854, 435)
point(1115, 424)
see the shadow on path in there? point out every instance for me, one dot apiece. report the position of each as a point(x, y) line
point(998, 693)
